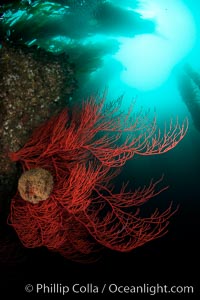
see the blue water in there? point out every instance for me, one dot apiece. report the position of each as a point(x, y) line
point(144, 63)
point(134, 48)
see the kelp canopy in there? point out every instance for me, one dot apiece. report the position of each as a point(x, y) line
point(86, 30)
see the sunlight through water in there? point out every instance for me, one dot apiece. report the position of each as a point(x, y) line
point(148, 59)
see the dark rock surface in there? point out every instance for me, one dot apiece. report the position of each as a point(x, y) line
point(34, 85)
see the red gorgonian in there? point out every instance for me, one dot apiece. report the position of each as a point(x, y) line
point(83, 151)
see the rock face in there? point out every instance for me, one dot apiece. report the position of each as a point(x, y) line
point(34, 85)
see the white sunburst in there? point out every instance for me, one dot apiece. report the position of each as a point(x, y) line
point(148, 59)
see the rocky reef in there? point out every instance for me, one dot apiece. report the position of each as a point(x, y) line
point(35, 85)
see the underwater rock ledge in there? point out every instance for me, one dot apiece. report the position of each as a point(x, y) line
point(35, 85)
